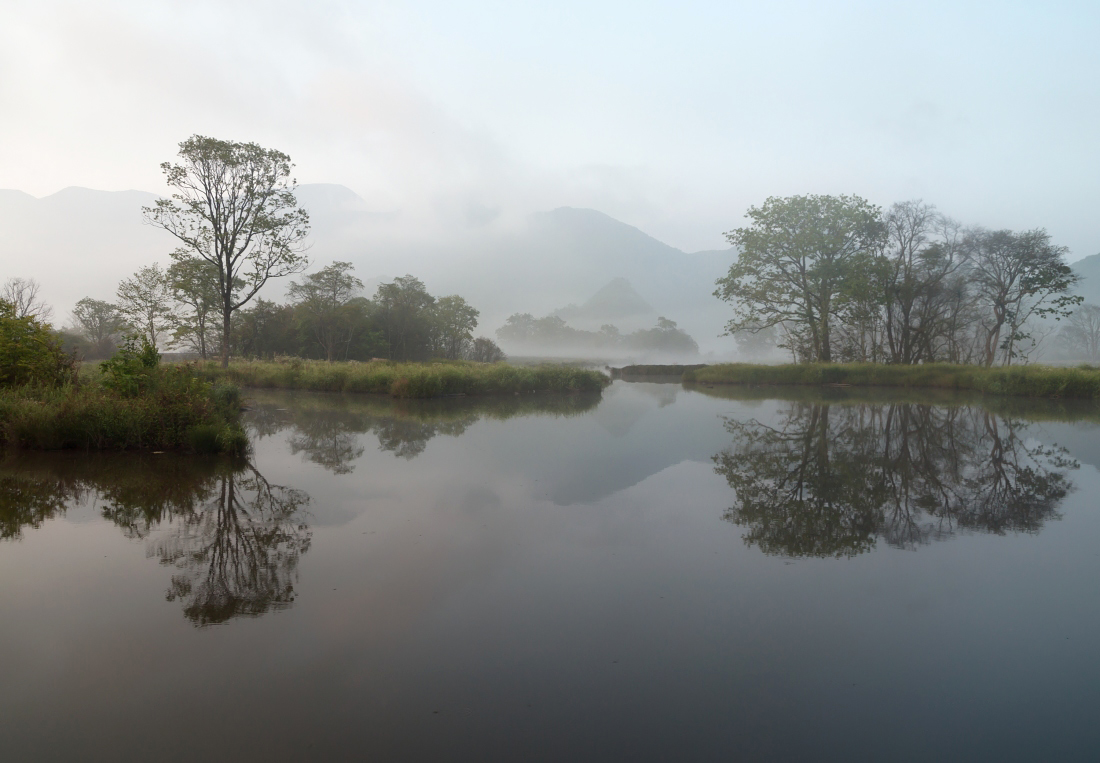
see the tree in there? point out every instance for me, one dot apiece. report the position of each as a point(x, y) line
point(923, 254)
point(145, 301)
point(22, 295)
point(665, 338)
point(322, 297)
point(100, 323)
point(1017, 277)
point(795, 266)
point(233, 207)
point(404, 308)
point(455, 322)
point(484, 350)
point(194, 286)
point(265, 330)
point(1081, 334)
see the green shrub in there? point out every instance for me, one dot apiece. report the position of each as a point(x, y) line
point(30, 353)
point(133, 368)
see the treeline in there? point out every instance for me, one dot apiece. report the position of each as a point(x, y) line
point(835, 278)
point(326, 317)
point(525, 330)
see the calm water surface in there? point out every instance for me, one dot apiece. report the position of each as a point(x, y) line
point(660, 574)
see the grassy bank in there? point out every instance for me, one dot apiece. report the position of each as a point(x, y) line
point(174, 411)
point(1025, 381)
point(407, 380)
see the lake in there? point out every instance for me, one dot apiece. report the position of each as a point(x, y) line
point(659, 574)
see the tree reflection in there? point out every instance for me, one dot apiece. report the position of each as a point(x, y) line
point(328, 429)
point(233, 538)
point(237, 553)
point(831, 480)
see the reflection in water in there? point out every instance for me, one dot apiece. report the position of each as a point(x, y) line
point(326, 428)
point(830, 480)
point(234, 538)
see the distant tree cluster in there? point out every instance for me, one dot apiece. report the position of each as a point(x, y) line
point(326, 317)
point(552, 332)
point(839, 279)
point(235, 217)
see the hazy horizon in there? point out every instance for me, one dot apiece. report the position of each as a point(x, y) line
point(672, 119)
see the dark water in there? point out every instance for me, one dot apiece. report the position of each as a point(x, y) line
point(662, 574)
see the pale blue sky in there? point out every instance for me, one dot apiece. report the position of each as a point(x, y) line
point(670, 116)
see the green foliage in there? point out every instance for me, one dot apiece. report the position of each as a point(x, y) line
point(132, 369)
point(132, 402)
point(233, 208)
point(30, 353)
point(100, 323)
point(801, 262)
point(409, 380)
point(1026, 381)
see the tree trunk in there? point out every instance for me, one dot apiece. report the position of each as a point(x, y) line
point(226, 314)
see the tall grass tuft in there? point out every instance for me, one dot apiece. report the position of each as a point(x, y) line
point(176, 410)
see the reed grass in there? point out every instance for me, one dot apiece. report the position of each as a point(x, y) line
point(407, 380)
point(180, 412)
point(1023, 381)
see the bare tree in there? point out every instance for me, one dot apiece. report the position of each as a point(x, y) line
point(924, 252)
point(1081, 334)
point(233, 207)
point(22, 293)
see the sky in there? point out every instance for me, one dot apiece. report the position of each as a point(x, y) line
point(673, 117)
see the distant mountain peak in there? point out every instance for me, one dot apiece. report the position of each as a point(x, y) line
point(616, 300)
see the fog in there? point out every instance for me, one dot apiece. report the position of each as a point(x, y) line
point(525, 157)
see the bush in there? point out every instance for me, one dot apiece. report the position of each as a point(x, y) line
point(30, 353)
point(133, 368)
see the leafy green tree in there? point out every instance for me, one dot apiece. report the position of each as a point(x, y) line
point(145, 301)
point(322, 299)
point(194, 286)
point(1017, 277)
point(796, 265)
point(233, 206)
point(455, 321)
point(100, 323)
point(405, 313)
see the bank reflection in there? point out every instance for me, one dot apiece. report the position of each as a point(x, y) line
point(232, 538)
point(830, 480)
point(329, 429)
